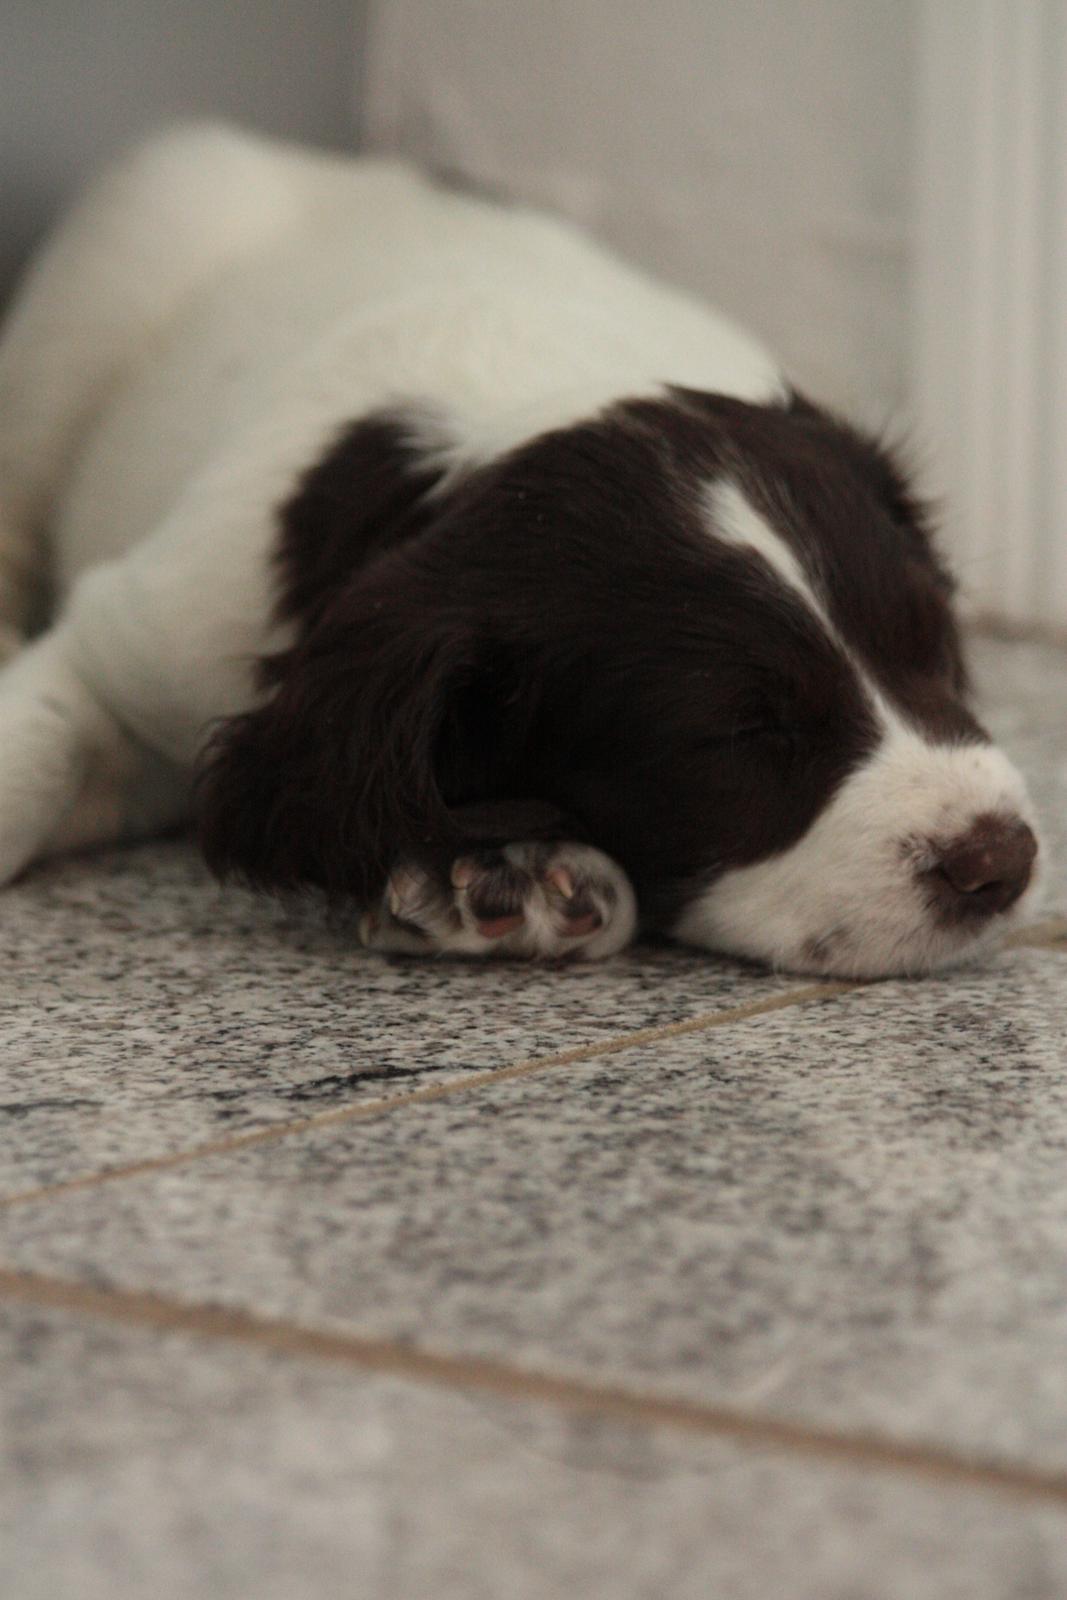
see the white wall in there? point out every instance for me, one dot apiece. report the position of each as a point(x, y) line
point(755, 150)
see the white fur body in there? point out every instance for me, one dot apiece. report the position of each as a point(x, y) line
point(197, 333)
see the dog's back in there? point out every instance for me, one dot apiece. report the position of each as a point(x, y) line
point(326, 286)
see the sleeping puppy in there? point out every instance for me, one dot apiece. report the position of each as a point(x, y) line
point(435, 559)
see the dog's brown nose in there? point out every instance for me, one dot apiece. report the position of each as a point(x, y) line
point(986, 869)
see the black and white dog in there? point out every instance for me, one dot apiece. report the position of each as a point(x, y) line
point(433, 557)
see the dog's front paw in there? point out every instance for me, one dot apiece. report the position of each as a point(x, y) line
point(529, 900)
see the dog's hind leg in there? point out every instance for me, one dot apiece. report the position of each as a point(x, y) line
point(70, 775)
point(148, 234)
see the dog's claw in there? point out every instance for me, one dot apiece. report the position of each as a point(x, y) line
point(463, 870)
point(561, 879)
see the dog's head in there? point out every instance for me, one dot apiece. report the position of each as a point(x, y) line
point(712, 636)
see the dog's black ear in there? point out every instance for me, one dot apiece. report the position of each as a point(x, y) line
point(339, 772)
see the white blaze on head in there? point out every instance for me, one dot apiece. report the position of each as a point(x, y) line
point(736, 522)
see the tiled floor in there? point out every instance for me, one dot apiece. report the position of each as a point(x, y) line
point(323, 1275)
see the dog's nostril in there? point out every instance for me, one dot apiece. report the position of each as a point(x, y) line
point(986, 869)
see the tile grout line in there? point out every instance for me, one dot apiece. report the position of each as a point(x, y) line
point(365, 1109)
point(487, 1376)
point(1051, 935)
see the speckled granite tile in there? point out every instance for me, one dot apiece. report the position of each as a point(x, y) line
point(143, 1010)
point(133, 1464)
point(1022, 693)
point(855, 1212)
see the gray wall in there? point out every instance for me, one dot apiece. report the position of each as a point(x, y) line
point(756, 152)
point(79, 78)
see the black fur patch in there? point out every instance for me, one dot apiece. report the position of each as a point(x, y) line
point(368, 494)
point(561, 630)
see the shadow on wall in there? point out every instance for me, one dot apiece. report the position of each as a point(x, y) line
point(82, 78)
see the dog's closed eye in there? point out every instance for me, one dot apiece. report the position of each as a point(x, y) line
point(768, 726)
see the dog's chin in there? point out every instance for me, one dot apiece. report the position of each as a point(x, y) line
point(915, 946)
point(922, 953)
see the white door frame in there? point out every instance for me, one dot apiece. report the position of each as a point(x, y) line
point(989, 330)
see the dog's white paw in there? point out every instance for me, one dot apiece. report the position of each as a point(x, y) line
point(528, 900)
